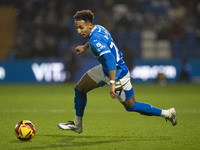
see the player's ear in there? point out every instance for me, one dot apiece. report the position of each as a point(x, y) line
point(90, 25)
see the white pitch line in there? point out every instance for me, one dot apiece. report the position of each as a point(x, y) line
point(34, 111)
point(187, 111)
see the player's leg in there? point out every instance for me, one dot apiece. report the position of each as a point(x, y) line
point(142, 108)
point(147, 109)
point(127, 98)
point(85, 85)
point(81, 88)
point(90, 80)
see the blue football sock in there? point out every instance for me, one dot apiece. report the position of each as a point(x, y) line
point(80, 102)
point(145, 109)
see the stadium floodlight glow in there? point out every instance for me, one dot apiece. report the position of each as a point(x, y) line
point(49, 72)
point(151, 72)
point(2, 73)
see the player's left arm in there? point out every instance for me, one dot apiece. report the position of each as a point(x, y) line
point(111, 66)
point(104, 52)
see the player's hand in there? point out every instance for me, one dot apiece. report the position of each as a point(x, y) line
point(112, 91)
point(80, 49)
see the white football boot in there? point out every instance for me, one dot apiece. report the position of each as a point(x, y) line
point(70, 126)
point(172, 116)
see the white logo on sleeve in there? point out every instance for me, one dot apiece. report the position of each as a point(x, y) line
point(98, 44)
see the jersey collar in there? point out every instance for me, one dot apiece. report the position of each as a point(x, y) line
point(92, 30)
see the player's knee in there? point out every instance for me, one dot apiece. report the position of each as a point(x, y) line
point(79, 93)
point(129, 103)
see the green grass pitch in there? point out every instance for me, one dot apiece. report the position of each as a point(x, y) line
point(106, 123)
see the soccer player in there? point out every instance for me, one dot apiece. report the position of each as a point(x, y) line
point(112, 70)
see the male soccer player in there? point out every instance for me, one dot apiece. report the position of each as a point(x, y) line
point(112, 70)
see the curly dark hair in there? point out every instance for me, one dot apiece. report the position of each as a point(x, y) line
point(86, 15)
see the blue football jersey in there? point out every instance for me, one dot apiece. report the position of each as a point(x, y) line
point(101, 42)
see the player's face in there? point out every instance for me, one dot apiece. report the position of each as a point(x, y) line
point(83, 28)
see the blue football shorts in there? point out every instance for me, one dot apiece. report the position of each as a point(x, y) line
point(123, 87)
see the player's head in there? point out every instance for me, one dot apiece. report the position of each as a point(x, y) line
point(83, 22)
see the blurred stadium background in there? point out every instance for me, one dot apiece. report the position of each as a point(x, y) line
point(160, 39)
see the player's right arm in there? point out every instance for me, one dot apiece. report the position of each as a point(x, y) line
point(80, 49)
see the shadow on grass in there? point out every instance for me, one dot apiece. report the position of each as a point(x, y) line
point(67, 141)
